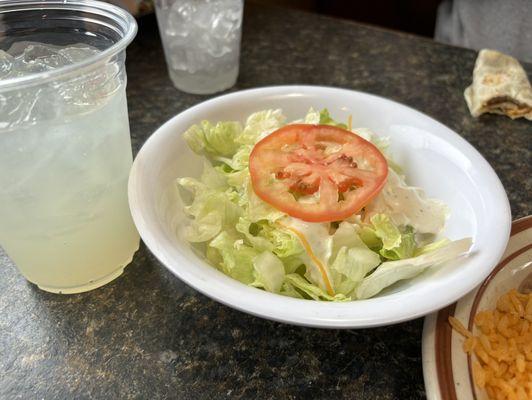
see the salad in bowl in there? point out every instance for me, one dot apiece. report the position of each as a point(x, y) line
point(311, 209)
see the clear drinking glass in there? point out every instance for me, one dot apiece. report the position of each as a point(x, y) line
point(65, 149)
point(201, 40)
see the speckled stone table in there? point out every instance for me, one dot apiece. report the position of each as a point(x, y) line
point(149, 336)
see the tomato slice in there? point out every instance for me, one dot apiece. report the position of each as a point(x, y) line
point(317, 173)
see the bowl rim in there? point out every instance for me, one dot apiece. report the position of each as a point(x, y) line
point(354, 314)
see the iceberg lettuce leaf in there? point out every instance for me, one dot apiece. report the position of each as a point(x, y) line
point(390, 272)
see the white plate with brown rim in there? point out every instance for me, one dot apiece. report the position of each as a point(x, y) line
point(447, 370)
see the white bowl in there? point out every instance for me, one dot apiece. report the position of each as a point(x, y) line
point(432, 156)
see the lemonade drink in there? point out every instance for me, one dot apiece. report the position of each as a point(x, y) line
point(64, 163)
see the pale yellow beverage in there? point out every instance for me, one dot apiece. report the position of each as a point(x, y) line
point(64, 164)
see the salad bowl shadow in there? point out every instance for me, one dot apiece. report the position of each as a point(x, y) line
point(433, 157)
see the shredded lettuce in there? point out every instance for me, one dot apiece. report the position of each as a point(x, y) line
point(261, 124)
point(237, 258)
point(311, 290)
point(396, 244)
point(214, 140)
point(390, 272)
point(260, 246)
point(353, 259)
point(213, 211)
point(326, 119)
point(408, 205)
point(322, 117)
point(269, 272)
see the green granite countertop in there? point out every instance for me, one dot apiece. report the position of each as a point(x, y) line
point(149, 336)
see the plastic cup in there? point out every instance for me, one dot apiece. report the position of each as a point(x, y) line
point(201, 41)
point(66, 148)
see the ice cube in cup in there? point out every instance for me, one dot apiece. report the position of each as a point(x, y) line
point(201, 41)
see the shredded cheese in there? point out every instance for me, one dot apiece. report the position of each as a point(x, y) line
point(502, 363)
point(315, 260)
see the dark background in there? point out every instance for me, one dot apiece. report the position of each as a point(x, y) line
point(414, 16)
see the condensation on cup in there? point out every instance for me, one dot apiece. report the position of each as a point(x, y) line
point(201, 40)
